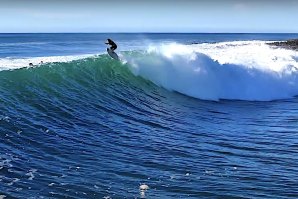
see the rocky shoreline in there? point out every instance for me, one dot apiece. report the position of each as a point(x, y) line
point(289, 44)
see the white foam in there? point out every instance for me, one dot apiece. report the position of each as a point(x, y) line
point(31, 174)
point(250, 70)
point(143, 188)
point(252, 54)
point(16, 63)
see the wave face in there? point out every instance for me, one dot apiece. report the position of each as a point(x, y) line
point(93, 77)
point(231, 70)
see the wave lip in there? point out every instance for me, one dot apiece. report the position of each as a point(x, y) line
point(229, 70)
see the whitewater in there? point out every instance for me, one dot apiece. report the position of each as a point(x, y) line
point(228, 70)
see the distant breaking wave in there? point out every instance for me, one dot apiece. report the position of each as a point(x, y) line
point(228, 70)
point(16, 63)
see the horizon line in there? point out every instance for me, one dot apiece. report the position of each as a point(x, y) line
point(148, 32)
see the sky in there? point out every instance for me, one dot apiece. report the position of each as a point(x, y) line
point(209, 16)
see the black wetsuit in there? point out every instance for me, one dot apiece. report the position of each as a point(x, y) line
point(113, 45)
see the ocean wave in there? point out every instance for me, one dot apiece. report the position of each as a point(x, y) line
point(250, 70)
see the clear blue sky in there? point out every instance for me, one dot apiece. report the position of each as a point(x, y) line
point(149, 16)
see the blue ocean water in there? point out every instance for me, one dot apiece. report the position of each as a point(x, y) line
point(188, 115)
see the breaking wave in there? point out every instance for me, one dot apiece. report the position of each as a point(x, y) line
point(250, 70)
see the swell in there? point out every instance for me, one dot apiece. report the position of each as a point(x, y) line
point(86, 91)
point(78, 82)
point(206, 71)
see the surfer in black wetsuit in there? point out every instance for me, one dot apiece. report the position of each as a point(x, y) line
point(112, 44)
point(111, 49)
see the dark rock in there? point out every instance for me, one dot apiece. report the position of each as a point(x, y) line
point(289, 44)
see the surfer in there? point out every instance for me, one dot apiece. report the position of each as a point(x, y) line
point(111, 49)
point(112, 44)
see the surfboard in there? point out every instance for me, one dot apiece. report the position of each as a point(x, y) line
point(112, 54)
